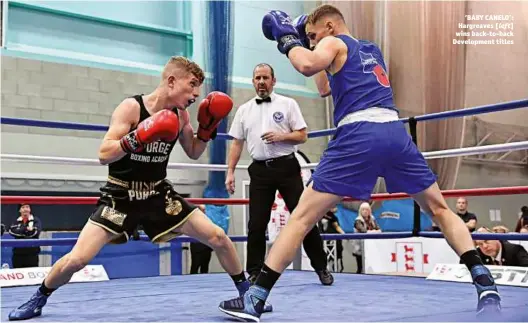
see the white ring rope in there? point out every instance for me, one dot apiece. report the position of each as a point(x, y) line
point(468, 151)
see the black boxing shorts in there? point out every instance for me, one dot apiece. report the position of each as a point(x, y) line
point(156, 206)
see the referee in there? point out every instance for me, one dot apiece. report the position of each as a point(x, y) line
point(272, 125)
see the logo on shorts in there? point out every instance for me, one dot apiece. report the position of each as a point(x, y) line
point(172, 207)
point(114, 216)
point(278, 116)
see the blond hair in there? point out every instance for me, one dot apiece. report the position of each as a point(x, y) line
point(365, 205)
point(180, 63)
point(500, 229)
point(323, 11)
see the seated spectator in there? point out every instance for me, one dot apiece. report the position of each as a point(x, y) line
point(501, 253)
point(330, 224)
point(500, 229)
point(27, 226)
point(365, 223)
point(522, 223)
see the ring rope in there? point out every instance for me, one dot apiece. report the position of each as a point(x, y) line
point(510, 105)
point(514, 146)
point(326, 236)
point(231, 201)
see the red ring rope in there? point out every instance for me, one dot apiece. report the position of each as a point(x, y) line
point(219, 201)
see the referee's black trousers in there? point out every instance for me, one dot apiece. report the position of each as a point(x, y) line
point(283, 175)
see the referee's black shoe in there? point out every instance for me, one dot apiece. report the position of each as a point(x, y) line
point(325, 277)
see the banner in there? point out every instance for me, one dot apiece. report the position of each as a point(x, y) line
point(416, 255)
point(503, 275)
point(35, 275)
point(407, 256)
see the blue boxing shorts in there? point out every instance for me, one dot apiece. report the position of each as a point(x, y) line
point(360, 152)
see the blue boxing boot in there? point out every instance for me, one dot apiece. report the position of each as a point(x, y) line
point(248, 307)
point(243, 288)
point(29, 309)
point(488, 295)
point(489, 306)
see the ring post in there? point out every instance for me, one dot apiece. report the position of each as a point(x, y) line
point(416, 209)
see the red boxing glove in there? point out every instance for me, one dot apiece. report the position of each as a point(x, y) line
point(164, 125)
point(212, 110)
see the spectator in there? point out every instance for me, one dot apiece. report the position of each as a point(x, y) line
point(330, 224)
point(469, 218)
point(365, 223)
point(522, 223)
point(27, 226)
point(501, 253)
point(500, 229)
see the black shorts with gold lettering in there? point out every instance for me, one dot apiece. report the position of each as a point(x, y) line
point(123, 206)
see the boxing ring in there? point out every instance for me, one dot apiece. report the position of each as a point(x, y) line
point(298, 295)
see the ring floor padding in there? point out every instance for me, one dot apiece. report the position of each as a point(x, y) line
point(298, 296)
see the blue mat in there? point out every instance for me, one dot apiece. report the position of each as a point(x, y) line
point(298, 296)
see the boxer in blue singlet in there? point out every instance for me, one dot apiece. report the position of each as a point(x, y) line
point(369, 142)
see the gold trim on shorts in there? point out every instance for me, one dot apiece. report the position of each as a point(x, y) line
point(118, 182)
point(106, 228)
point(171, 235)
point(126, 184)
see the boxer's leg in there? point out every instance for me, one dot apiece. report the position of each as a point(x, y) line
point(407, 171)
point(311, 208)
point(105, 224)
point(455, 231)
point(200, 227)
point(91, 240)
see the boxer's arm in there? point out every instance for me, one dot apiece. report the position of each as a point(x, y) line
point(323, 86)
point(120, 124)
point(309, 62)
point(192, 146)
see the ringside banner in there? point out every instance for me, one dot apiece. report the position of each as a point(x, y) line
point(35, 275)
point(503, 275)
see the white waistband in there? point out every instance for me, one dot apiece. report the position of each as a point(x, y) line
point(374, 114)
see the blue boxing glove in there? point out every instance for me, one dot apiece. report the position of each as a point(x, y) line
point(300, 25)
point(277, 25)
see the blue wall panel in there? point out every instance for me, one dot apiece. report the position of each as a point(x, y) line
point(56, 32)
point(171, 14)
point(250, 45)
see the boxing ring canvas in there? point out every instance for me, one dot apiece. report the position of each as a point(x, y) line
point(298, 296)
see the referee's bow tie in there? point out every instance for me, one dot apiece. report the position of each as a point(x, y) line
point(259, 101)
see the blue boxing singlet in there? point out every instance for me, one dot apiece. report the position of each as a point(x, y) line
point(362, 82)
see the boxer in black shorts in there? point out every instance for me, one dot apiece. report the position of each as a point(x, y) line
point(160, 214)
point(142, 133)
